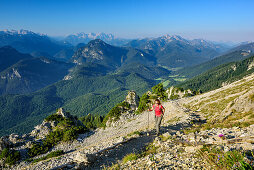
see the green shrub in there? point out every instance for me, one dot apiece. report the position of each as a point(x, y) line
point(92, 121)
point(69, 135)
point(54, 117)
point(5, 152)
point(158, 89)
point(10, 156)
point(142, 107)
point(54, 138)
point(50, 155)
point(174, 96)
point(153, 97)
point(187, 95)
point(116, 112)
point(38, 149)
point(124, 104)
point(252, 97)
point(143, 103)
point(65, 123)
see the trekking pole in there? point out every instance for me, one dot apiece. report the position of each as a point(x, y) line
point(148, 123)
point(164, 123)
point(164, 126)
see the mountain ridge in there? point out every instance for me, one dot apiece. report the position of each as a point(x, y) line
point(175, 51)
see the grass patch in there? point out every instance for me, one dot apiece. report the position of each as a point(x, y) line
point(252, 97)
point(113, 167)
point(175, 119)
point(165, 138)
point(130, 157)
point(134, 133)
point(192, 130)
point(150, 149)
point(224, 160)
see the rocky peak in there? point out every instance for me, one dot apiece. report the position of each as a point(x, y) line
point(97, 43)
point(132, 99)
point(63, 113)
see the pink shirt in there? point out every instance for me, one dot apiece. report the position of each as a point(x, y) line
point(158, 110)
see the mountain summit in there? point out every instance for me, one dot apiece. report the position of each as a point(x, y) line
point(97, 51)
point(175, 51)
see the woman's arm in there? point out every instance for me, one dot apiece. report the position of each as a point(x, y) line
point(150, 109)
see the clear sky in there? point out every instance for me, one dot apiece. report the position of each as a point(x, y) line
point(220, 20)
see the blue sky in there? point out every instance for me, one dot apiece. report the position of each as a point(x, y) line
point(220, 20)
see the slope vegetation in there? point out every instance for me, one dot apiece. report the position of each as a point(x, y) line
point(88, 89)
point(221, 75)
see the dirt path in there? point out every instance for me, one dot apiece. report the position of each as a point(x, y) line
point(176, 117)
point(174, 111)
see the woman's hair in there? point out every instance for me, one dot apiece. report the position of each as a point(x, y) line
point(157, 100)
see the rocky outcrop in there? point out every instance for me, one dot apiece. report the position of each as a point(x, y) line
point(178, 93)
point(63, 113)
point(84, 158)
point(14, 138)
point(132, 99)
point(42, 130)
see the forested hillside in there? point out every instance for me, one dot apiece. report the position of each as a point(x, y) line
point(87, 90)
point(221, 75)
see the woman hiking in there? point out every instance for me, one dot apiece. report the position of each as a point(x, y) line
point(159, 113)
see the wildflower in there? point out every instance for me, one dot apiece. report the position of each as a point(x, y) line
point(221, 135)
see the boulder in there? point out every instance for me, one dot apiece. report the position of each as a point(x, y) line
point(14, 138)
point(133, 99)
point(29, 144)
point(83, 157)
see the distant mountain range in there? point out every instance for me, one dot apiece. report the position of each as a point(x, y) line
point(28, 42)
point(171, 51)
point(175, 51)
point(86, 37)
